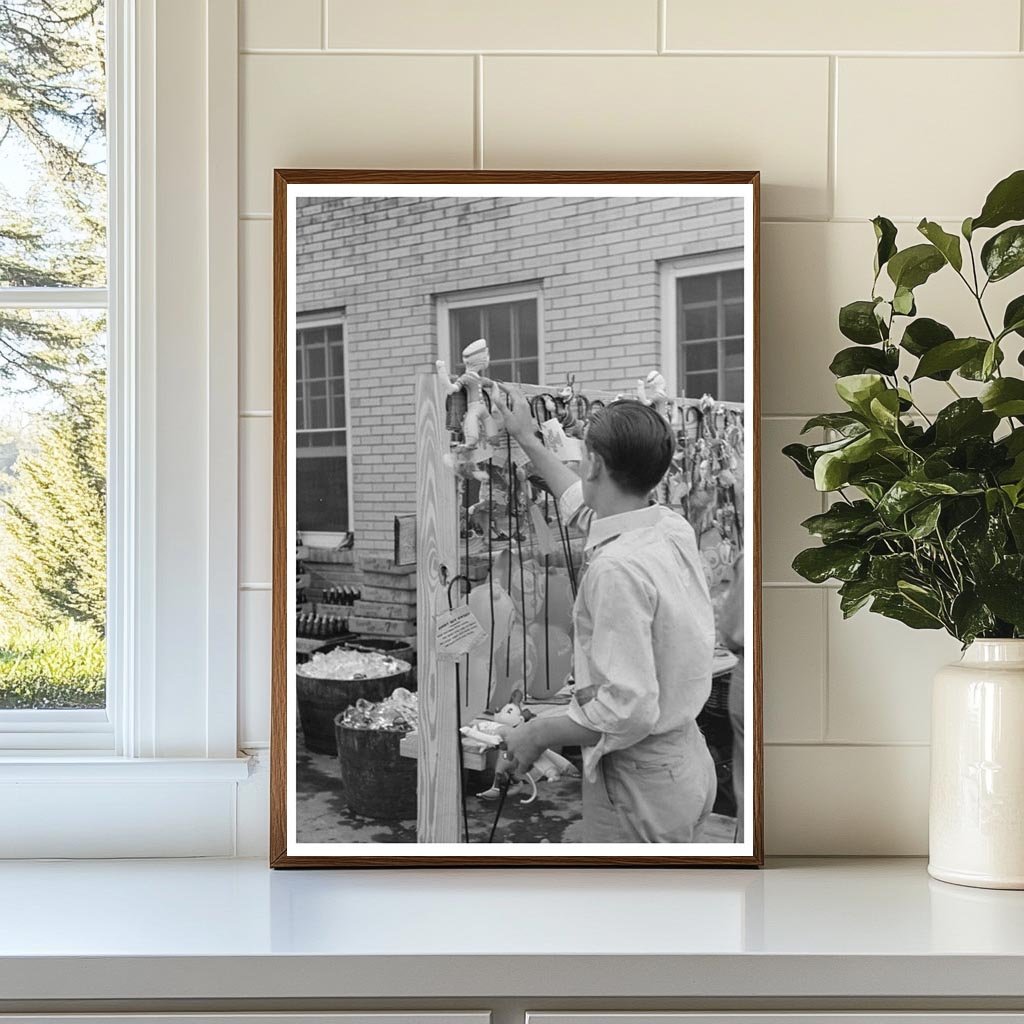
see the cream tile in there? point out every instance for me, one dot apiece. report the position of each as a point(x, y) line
point(787, 498)
point(470, 25)
point(846, 801)
point(255, 319)
point(880, 676)
point(808, 271)
point(254, 610)
point(351, 111)
point(948, 103)
point(691, 113)
point(794, 663)
point(255, 511)
point(871, 25)
point(272, 24)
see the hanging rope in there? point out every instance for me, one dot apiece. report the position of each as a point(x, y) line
point(490, 576)
point(506, 782)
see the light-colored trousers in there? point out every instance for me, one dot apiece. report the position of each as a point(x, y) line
point(660, 790)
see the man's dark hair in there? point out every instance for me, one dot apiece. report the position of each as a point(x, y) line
point(635, 443)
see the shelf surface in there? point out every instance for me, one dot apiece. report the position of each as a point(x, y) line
point(234, 929)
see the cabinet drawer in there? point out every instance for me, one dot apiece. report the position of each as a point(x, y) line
point(775, 1018)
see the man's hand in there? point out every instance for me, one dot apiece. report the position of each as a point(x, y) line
point(523, 746)
point(516, 416)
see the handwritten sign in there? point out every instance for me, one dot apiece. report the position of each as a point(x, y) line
point(458, 632)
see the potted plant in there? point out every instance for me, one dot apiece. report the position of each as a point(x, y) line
point(927, 521)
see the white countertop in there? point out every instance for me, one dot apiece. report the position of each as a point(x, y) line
point(235, 929)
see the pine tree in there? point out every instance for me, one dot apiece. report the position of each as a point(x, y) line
point(53, 520)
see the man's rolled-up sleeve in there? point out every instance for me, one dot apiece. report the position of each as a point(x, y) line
point(572, 510)
point(620, 699)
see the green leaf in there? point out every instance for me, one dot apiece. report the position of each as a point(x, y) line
point(948, 356)
point(906, 494)
point(923, 335)
point(832, 420)
point(885, 237)
point(966, 417)
point(913, 266)
point(1004, 397)
point(840, 561)
point(854, 594)
point(885, 409)
point(850, 361)
point(799, 455)
point(947, 244)
point(831, 471)
point(991, 360)
point(858, 389)
point(1003, 254)
point(903, 302)
point(1005, 202)
point(857, 321)
point(885, 571)
point(965, 228)
point(1013, 317)
point(974, 368)
point(925, 518)
point(842, 521)
point(970, 616)
point(1003, 595)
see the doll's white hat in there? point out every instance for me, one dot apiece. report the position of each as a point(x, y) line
point(474, 348)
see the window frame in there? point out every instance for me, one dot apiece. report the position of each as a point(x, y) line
point(333, 318)
point(669, 273)
point(93, 730)
point(446, 302)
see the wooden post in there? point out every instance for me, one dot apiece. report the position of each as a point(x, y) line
point(437, 819)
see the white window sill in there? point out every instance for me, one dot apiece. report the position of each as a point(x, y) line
point(79, 767)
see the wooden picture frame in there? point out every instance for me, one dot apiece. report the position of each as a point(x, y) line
point(438, 541)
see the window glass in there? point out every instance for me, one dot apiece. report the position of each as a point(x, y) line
point(53, 383)
point(322, 503)
point(709, 312)
point(511, 332)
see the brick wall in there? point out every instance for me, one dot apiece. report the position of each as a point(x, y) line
point(385, 260)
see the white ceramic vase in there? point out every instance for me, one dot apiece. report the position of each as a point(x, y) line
point(976, 817)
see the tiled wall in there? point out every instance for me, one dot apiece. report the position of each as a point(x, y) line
point(906, 109)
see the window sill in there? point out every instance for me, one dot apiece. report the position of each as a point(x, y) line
point(78, 767)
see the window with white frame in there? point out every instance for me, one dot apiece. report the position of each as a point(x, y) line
point(53, 367)
point(321, 437)
point(704, 325)
point(511, 321)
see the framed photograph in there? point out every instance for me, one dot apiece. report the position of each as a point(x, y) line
point(516, 456)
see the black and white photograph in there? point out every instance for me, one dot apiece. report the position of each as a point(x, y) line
point(515, 458)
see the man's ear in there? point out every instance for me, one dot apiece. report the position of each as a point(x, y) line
point(595, 465)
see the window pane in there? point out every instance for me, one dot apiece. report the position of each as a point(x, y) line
point(528, 372)
point(335, 334)
point(337, 360)
point(316, 363)
point(734, 319)
point(734, 354)
point(498, 330)
point(702, 356)
point(699, 288)
point(701, 322)
point(699, 384)
point(321, 493)
point(339, 411)
point(53, 151)
point(733, 386)
point(465, 327)
point(732, 284)
point(52, 509)
point(526, 327)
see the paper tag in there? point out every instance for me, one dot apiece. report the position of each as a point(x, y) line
point(457, 633)
point(519, 457)
point(545, 539)
point(572, 450)
point(563, 447)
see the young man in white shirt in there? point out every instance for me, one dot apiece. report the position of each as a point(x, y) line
point(644, 633)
